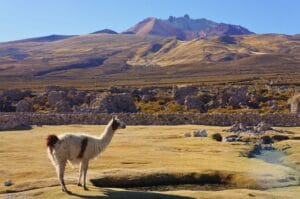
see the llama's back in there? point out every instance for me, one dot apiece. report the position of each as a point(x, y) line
point(71, 145)
point(65, 147)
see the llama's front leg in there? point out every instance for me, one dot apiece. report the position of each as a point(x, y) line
point(60, 172)
point(84, 166)
point(80, 174)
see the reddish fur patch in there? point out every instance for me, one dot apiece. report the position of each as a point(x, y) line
point(51, 141)
point(115, 125)
point(83, 147)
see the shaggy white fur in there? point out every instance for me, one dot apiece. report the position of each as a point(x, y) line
point(67, 147)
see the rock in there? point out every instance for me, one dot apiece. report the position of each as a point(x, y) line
point(238, 95)
point(201, 133)
point(24, 106)
point(217, 137)
point(180, 93)
point(194, 102)
point(147, 98)
point(237, 127)
point(62, 107)
point(6, 105)
point(294, 103)
point(8, 183)
point(273, 104)
point(231, 138)
point(113, 103)
point(40, 100)
point(188, 134)
point(55, 96)
point(233, 96)
point(262, 127)
point(145, 94)
point(14, 124)
point(15, 94)
point(75, 97)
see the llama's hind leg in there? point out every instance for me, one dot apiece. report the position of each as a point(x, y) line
point(84, 166)
point(80, 174)
point(60, 172)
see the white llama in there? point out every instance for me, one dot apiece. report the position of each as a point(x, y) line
point(79, 149)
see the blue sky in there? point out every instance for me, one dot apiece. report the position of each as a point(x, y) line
point(31, 18)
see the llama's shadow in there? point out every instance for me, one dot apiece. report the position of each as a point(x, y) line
point(115, 194)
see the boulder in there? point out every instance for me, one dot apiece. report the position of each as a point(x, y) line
point(231, 138)
point(262, 127)
point(6, 105)
point(113, 103)
point(233, 96)
point(294, 103)
point(24, 105)
point(15, 94)
point(238, 95)
point(237, 127)
point(180, 93)
point(76, 97)
point(62, 107)
point(55, 96)
point(195, 102)
point(8, 183)
point(201, 133)
point(39, 100)
point(147, 98)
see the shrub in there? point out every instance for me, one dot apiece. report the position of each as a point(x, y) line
point(280, 137)
point(217, 137)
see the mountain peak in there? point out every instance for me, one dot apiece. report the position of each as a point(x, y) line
point(154, 26)
point(105, 31)
point(186, 28)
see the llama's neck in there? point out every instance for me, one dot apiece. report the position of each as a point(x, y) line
point(106, 137)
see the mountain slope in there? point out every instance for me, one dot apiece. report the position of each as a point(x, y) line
point(49, 38)
point(219, 50)
point(121, 59)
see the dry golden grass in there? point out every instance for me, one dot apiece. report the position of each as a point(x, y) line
point(149, 149)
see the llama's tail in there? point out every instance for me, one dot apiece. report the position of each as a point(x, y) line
point(51, 141)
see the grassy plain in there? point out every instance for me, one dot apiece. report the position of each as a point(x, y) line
point(141, 152)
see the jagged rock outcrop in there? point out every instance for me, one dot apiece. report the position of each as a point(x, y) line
point(185, 28)
point(13, 122)
point(195, 102)
point(15, 94)
point(262, 127)
point(113, 103)
point(180, 93)
point(295, 104)
point(24, 105)
point(56, 96)
point(62, 107)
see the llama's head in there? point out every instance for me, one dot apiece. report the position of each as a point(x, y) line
point(117, 123)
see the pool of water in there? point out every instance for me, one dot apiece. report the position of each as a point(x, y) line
point(271, 156)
